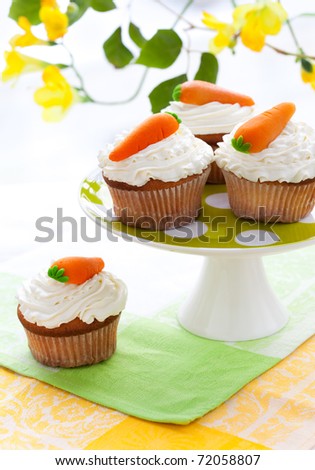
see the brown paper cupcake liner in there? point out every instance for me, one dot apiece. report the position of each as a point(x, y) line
point(270, 201)
point(75, 350)
point(162, 208)
point(215, 176)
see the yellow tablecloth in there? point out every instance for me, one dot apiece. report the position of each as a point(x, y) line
point(274, 411)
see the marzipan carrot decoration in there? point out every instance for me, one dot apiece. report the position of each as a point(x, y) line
point(155, 128)
point(198, 92)
point(75, 269)
point(256, 134)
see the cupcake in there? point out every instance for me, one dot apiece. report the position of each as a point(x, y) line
point(210, 112)
point(269, 167)
point(156, 174)
point(70, 313)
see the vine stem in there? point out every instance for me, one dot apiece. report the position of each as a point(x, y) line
point(127, 100)
point(190, 26)
point(178, 15)
point(87, 96)
point(294, 37)
point(296, 42)
point(76, 72)
point(292, 54)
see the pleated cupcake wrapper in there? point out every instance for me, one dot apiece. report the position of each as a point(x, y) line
point(269, 202)
point(160, 209)
point(77, 350)
point(215, 176)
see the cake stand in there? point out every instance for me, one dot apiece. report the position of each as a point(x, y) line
point(232, 299)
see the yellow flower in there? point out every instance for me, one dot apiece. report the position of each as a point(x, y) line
point(17, 63)
point(258, 20)
point(28, 38)
point(57, 96)
point(225, 36)
point(55, 22)
point(308, 76)
point(49, 3)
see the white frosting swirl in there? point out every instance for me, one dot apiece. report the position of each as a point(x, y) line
point(50, 303)
point(211, 118)
point(178, 156)
point(290, 157)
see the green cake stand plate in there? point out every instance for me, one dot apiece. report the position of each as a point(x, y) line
point(232, 299)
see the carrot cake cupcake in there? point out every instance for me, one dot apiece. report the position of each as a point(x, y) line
point(70, 312)
point(269, 167)
point(210, 112)
point(156, 173)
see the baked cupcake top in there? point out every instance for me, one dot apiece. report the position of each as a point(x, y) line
point(270, 147)
point(209, 109)
point(160, 148)
point(73, 287)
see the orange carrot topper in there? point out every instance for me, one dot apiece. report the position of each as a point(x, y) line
point(256, 134)
point(154, 129)
point(199, 92)
point(75, 269)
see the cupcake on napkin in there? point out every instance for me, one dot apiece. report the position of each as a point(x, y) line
point(156, 173)
point(269, 167)
point(71, 311)
point(210, 112)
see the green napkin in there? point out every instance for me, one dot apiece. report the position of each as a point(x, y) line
point(160, 372)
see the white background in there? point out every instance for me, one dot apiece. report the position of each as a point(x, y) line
point(41, 165)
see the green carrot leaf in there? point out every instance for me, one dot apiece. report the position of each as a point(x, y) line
point(177, 92)
point(175, 116)
point(54, 270)
point(63, 279)
point(240, 145)
point(57, 274)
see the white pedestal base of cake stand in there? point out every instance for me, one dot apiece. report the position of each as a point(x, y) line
point(232, 301)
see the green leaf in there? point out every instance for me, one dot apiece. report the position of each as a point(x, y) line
point(76, 10)
point(240, 145)
point(57, 274)
point(54, 270)
point(177, 92)
point(136, 35)
point(116, 52)
point(63, 279)
point(161, 50)
point(174, 116)
point(208, 68)
point(307, 66)
point(246, 147)
point(102, 5)
point(29, 8)
point(161, 95)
